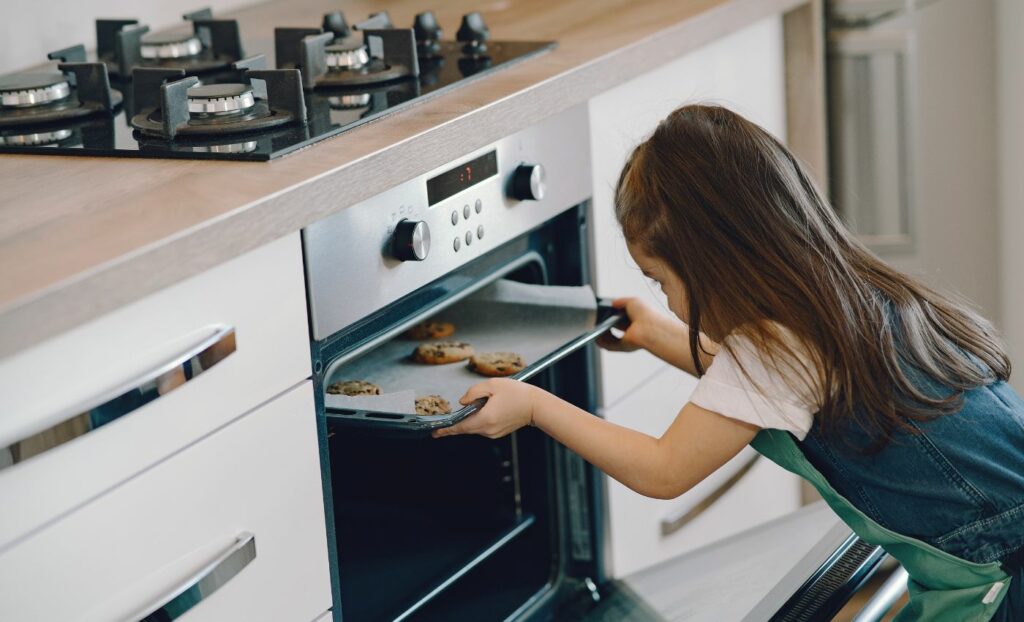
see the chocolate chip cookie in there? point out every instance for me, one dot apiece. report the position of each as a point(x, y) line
point(497, 363)
point(432, 405)
point(430, 330)
point(442, 352)
point(353, 387)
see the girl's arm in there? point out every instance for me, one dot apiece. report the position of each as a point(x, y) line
point(698, 441)
point(663, 335)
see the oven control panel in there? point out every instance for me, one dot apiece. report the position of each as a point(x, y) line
point(385, 247)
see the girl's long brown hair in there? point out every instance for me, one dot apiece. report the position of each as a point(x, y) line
point(733, 213)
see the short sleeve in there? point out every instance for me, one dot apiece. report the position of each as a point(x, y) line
point(761, 396)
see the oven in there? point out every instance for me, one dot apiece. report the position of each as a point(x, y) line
point(462, 528)
point(468, 528)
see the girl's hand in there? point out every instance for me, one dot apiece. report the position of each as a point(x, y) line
point(510, 406)
point(644, 323)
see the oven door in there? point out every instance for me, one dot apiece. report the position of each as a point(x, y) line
point(466, 528)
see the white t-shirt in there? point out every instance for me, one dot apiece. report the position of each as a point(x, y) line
point(764, 398)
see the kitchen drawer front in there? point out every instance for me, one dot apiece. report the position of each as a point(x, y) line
point(242, 333)
point(119, 555)
point(739, 495)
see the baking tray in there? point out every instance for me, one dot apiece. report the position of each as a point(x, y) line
point(542, 323)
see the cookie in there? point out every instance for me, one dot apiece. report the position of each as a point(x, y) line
point(441, 352)
point(354, 387)
point(431, 330)
point(497, 363)
point(432, 405)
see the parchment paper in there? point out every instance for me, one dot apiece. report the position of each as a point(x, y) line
point(530, 320)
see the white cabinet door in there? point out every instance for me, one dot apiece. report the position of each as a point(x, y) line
point(743, 71)
point(255, 305)
point(637, 535)
point(128, 550)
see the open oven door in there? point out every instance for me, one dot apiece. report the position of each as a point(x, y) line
point(798, 568)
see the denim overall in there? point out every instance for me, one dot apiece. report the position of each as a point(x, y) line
point(948, 503)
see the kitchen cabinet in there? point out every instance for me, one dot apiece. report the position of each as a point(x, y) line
point(744, 71)
point(256, 482)
point(239, 331)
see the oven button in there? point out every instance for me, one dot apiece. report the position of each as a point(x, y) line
point(412, 240)
point(528, 182)
point(469, 238)
point(480, 232)
point(465, 211)
point(455, 217)
point(478, 206)
point(457, 244)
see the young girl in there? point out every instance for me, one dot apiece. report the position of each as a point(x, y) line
point(888, 397)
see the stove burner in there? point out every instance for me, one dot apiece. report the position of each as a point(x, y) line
point(390, 55)
point(220, 99)
point(212, 45)
point(23, 90)
point(156, 45)
point(346, 56)
point(171, 105)
point(78, 90)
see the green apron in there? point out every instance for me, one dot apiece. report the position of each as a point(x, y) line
point(941, 586)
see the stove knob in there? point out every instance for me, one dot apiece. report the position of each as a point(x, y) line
point(473, 32)
point(528, 182)
point(426, 27)
point(411, 241)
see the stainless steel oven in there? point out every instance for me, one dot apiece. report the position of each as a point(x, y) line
point(465, 528)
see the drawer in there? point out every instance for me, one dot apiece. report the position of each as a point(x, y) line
point(240, 333)
point(250, 488)
point(739, 495)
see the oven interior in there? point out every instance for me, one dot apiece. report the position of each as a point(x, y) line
point(463, 527)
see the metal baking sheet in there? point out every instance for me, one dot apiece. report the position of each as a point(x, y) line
point(507, 316)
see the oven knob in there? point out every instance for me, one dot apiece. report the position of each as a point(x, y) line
point(528, 182)
point(412, 240)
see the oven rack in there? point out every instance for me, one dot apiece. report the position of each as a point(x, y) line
point(504, 539)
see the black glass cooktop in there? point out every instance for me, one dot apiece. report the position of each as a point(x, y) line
point(329, 111)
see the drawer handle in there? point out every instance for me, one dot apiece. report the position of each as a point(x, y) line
point(112, 405)
point(675, 521)
point(208, 580)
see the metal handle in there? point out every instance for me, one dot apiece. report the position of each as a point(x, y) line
point(86, 416)
point(196, 588)
point(884, 599)
point(678, 519)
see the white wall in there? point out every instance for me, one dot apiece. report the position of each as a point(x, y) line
point(1010, 106)
point(29, 29)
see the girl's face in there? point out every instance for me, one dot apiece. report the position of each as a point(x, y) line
point(666, 279)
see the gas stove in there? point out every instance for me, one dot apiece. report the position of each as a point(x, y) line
point(192, 93)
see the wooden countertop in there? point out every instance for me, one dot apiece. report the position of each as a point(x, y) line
point(81, 236)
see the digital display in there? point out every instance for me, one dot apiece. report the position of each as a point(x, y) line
point(466, 175)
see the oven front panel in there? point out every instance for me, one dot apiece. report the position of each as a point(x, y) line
point(351, 264)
